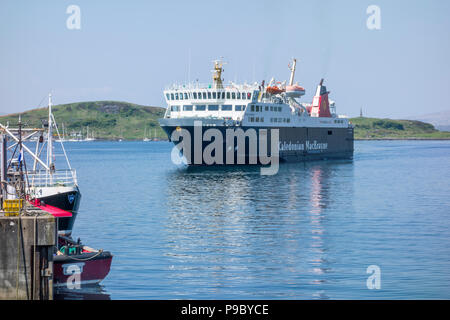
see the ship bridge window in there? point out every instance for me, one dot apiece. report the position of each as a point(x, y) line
point(233, 95)
point(213, 107)
point(200, 107)
point(195, 95)
point(252, 108)
point(238, 108)
point(167, 96)
point(214, 95)
point(228, 95)
point(181, 95)
point(185, 96)
point(204, 95)
point(187, 108)
point(223, 94)
point(227, 107)
point(239, 95)
point(249, 95)
point(209, 95)
point(171, 96)
point(266, 108)
point(175, 108)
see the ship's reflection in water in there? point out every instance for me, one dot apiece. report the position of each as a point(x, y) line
point(86, 292)
point(233, 233)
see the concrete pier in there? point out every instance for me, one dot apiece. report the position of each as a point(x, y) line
point(26, 256)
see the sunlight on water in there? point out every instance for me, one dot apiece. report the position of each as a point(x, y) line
point(309, 232)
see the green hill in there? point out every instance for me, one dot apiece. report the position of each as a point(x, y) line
point(113, 120)
point(375, 128)
point(105, 119)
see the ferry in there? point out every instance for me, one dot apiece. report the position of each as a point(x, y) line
point(304, 131)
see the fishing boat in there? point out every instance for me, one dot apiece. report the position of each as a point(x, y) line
point(55, 187)
point(74, 264)
point(210, 118)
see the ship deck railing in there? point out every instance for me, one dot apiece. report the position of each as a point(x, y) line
point(46, 178)
point(210, 86)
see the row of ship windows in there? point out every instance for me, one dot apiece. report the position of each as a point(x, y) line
point(209, 95)
point(261, 119)
point(211, 107)
point(338, 121)
point(256, 108)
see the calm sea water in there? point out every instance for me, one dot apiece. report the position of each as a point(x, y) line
point(309, 232)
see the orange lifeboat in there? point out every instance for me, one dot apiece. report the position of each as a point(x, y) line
point(274, 90)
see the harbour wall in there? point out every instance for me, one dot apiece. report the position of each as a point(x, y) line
point(26, 257)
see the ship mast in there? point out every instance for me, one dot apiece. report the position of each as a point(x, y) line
point(292, 68)
point(217, 74)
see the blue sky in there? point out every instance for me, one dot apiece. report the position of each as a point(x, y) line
point(130, 50)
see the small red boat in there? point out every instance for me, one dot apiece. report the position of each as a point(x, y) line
point(76, 265)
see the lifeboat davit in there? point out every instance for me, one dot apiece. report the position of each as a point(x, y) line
point(274, 90)
point(295, 91)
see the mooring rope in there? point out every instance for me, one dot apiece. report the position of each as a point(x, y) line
point(87, 259)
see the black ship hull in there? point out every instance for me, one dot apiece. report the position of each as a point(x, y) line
point(296, 144)
point(68, 201)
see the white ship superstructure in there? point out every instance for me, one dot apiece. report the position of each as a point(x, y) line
point(248, 104)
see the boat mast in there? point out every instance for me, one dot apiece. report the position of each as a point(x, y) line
point(292, 68)
point(50, 163)
point(21, 157)
point(3, 166)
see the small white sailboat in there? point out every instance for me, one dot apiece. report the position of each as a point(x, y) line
point(155, 138)
point(145, 136)
point(89, 138)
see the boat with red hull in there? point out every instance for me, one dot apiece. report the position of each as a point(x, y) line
point(75, 264)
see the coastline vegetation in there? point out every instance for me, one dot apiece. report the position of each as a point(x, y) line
point(386, 129)
point(114, 120)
